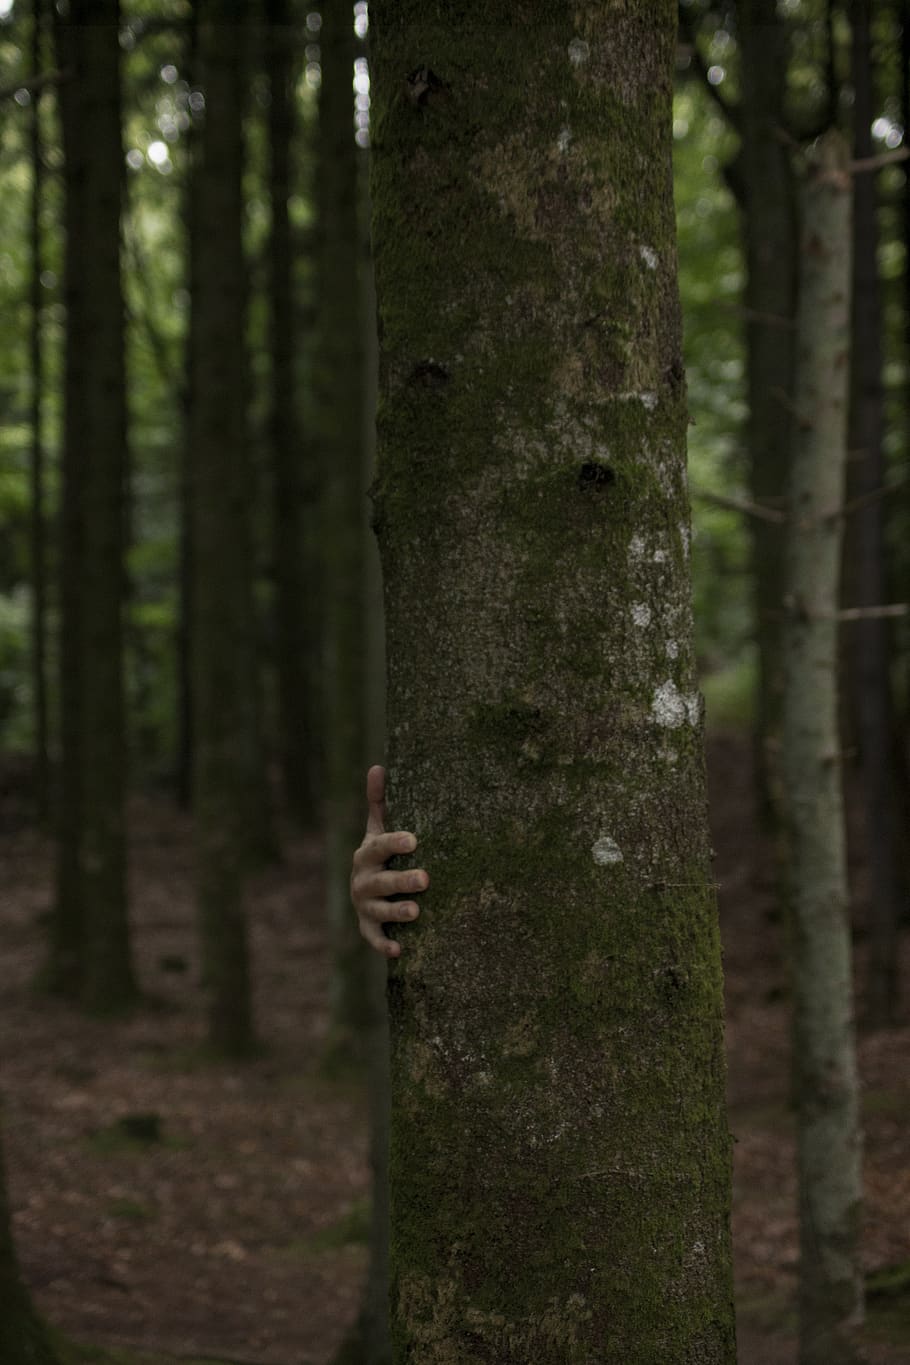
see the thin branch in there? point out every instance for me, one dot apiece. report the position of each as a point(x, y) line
point(866, 498)
point(33, 83)
point(875, 163)
point(873, 613)
point(751, 509)
point(846, 614)
point(754, 315)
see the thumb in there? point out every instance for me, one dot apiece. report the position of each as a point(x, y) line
point(376, 800)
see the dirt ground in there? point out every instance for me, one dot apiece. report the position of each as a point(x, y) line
point(226, 1217)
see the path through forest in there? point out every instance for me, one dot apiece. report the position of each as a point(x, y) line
point(166, 1202)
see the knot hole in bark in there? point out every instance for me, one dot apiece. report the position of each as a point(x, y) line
point(423, 85)
point(429, 374)
point(595, 476)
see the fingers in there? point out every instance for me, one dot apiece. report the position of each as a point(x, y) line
point(376, 800)
point(371, 885)
point(377, 939)
point(377, 849)
point(389, 912)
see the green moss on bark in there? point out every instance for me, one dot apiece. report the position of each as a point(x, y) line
point(559, 1148)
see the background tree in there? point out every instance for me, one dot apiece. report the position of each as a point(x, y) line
point(296, 703)
point(38, 477)
point(23, 1338)
point(226, 774)
point(91, 951)
point(340, 398)
point(560, 995)
point(830, 1180)
point(866, 586)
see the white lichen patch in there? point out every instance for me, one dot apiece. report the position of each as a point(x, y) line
point(563, 140)
point(636, 548)
point(579, 51)
point(685, 536)
point(673, 708)
point(649, 256)
point(606, 851)
point(659, 557)
point(672, 648)
point(647, 398)
point(641, 614)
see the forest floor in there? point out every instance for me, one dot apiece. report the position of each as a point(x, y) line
point(164, 1203)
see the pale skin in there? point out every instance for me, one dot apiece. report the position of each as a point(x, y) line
point(371, 880)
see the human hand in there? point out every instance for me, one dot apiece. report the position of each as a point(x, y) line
point(372, 882)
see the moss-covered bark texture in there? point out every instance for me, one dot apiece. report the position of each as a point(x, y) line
point(560, 1161)
point(830, 1181)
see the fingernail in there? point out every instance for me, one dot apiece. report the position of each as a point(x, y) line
point(407, 844)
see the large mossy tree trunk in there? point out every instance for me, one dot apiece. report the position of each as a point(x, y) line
point(23, 1339)
point(296, 704)
point(559, 1147)
point(823, 1040)
point(227, 768)
point(868, 640)
point(91, 934)
point(770, 237)
point(339, 391)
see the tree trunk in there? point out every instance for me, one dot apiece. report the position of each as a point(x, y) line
point(37, 475)
point(226, 756)
point(340, 398)
point(295, 703)
point(868, 640)
point(559, 1147)
point(183, 642)
point(92, 933)
point(770, 235)
point(823, 1042)
point(23, 1340)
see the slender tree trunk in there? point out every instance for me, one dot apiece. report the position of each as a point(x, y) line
point(226, 759)
point(23, 1340)
point(340, 397)
point(65, 962)
point(38, 541)
point(559, 1149)
point(91, 933)
point(823, 1041)
point(868, 640)
point(296, 705)
point(769, 227)
point(183, 642)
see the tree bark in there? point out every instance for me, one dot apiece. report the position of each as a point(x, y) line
point(23, 1339)
point(868, 640)
point(770, 237)
point(297, 717)
point(340, 398)
point(559, 1148)
point(91, 933)
point(226, 754)
point(823, 1040)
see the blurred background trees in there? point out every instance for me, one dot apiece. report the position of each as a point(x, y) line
point(188, 599)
